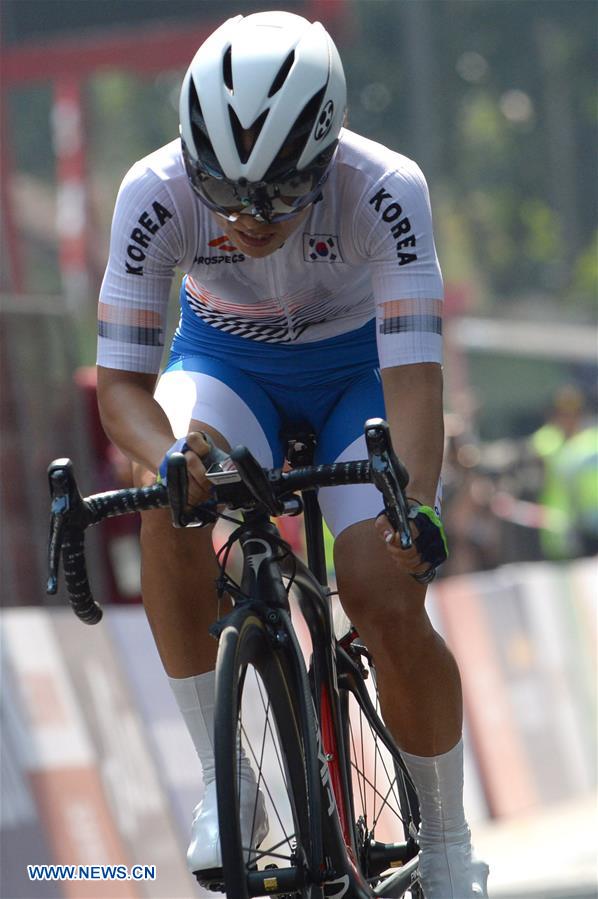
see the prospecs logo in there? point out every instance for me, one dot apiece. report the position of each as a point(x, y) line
point(223, 244)
point(141, 237)
point(391, 212)
point(321, 248)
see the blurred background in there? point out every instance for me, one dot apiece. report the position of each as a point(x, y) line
point(496, 99)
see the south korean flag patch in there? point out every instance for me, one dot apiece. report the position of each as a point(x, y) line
point(321, 248)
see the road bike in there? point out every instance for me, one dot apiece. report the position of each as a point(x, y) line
point(302, 714)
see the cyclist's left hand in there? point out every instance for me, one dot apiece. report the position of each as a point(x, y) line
point(429, 549)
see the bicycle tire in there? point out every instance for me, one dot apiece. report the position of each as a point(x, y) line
point(250, 667)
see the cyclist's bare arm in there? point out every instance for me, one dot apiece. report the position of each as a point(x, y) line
point(413, 399)
point(138, 426)
point(131, 417)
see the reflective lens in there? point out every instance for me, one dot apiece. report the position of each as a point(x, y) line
point(270, 202)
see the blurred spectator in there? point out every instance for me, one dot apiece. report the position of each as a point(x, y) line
point(472, 528)
point(564, 419)
point(575, 471)
point(552, 446)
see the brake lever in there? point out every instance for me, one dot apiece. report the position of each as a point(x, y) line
point(390, 477)
point(57, 522)
point(67, 508)
point(177, 483)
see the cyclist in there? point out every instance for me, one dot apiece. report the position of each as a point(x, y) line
point(312, 291)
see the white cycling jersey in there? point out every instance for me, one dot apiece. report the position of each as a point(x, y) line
point(365, 249)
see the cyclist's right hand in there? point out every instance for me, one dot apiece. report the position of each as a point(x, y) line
point(194, 447)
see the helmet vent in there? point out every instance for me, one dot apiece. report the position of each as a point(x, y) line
point(245, 138)
point(290, 153)
point(195, 112)
point(227, 69)
point(203, 144)
point(282, 74)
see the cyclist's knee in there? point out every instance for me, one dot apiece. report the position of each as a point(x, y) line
point(369, 582)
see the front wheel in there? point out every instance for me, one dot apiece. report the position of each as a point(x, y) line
point(261, 765)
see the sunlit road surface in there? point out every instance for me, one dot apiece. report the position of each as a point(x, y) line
point(552, 854)
point(109, 694)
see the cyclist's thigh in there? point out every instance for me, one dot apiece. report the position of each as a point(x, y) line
point(342, 440)
point(205, 390)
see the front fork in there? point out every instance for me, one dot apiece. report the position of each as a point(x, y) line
point(261, 576)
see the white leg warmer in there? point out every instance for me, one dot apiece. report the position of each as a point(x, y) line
point(196, 700)
point(444, 839)
point(195, 697)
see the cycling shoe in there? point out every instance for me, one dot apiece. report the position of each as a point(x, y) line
point(204, 856)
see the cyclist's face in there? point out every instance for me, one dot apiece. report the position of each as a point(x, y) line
point(259, 239)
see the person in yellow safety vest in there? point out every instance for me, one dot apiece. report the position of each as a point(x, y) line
point(547, 443)
point(576, 467)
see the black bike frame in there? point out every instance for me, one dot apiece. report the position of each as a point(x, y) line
point(332, 837)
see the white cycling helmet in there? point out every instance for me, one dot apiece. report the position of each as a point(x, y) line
point(261, 108)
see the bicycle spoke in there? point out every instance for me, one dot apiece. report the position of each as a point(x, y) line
point(386, 804)
point(390, 778)
point(361, 735)
point(270, 852)
point(274, 804)
point(359, 772)
point(381, 798)
point(372, 783)
point(256, 747)
point(260, 779)
point(269, 724)
point(384, 799)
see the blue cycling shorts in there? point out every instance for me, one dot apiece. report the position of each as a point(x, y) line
point(251, 391)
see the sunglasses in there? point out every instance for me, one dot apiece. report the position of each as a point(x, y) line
point(267, 201)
